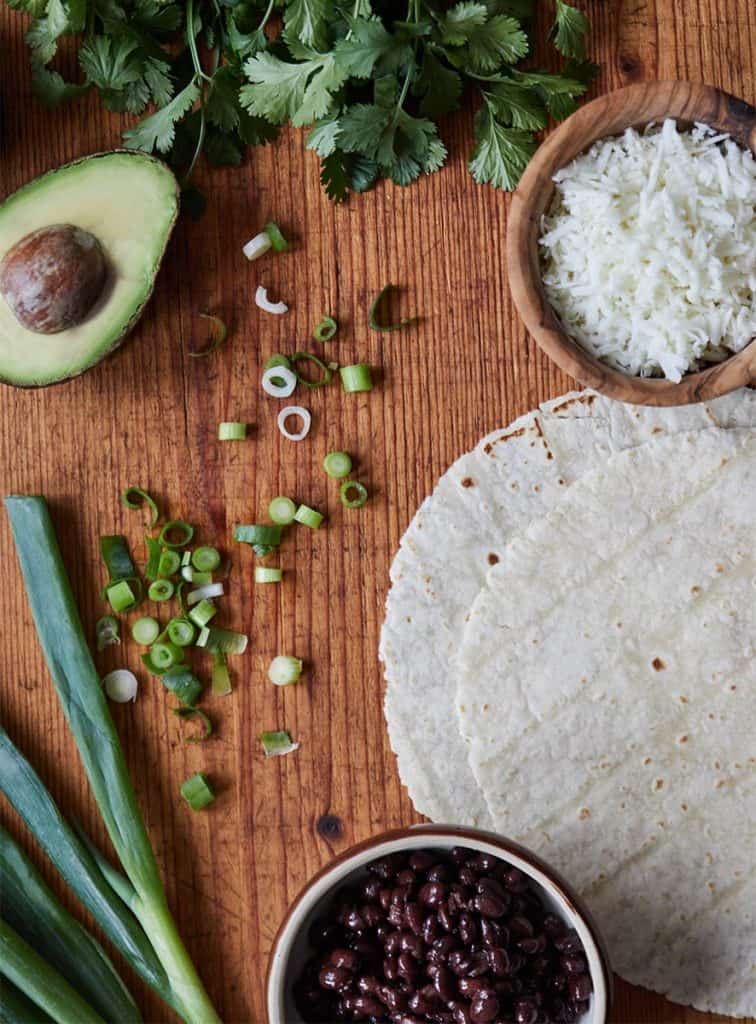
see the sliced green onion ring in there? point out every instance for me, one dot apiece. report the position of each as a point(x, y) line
point(221, 677)
point(300, 357)
point(356, 378)
point(276, 237)
point(180, 596)
point(206, 559)
point(115, 554)
point(165, 654)
point(107, 632)
point(185, 531)
point(208, 590)
point(121, 686)
point(219, 333)
point(268, 574)
point(202, 613)
point(197, 792)
point(264, 534)
point(303, 414)
point(373, 317)
point(135, 498)
point(161, 590)
point(232, 431)
point(277, 744)
point(279, 382)
point(207, 725)
point(170, 562)
point(154, 551)
point(181, 632)
point(284, 670)
point(183, 684)
point(353, 487)
point(308, 517)
point(145, 631)
point(150, 665)
point(337, 465)
point(121, 596)
point(282, 510)
point(326, 329)
point(222, 641)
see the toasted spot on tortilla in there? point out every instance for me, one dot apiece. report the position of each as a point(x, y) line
point(488, 448)
point(647, 760)
point(584, 813)
point(493, 558)
point(657, 664)
point(684, 700)
point(695, 590)
point(683, 739)
point(468, 482)
point(658, 784)
point(684, 806)
point(656, 430)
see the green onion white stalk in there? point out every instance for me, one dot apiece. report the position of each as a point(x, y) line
point(284, 670)
point(121, 686)
point(264, 303)
point(300, 412)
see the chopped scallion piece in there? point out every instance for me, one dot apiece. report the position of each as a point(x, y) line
point(222, 641)
point(219, 333)
point(135, 498)
point(193, 576)
point(353, 494)
point(282, 510)
point(169, 563)
point(121, 686)
point(145, 630)
point(186, 558)
point(356, 378)
point(232, 431)
point(264, 303)
point(107, 632)
point(262, 538)
point(180, 596)
point(150, 665)
point(265, 574)
point(337, 465)
point(326, 329)
point(284, 670)
point(279, 382)
point(308, 517)
point(277, 239)
point(161, 590)
point(207, 725)
point(182, 682)
point(202, 614)
point(257, 246)
point(154, 551)
point(197, 792)
point(115, 554)
point(165, 654)
point(276, 744)
point(173, 527)
point(208, 590)
point(181, 632)
point(206, 559)
point(373, 317)
point(299, 357)
point(221, 677)
point(303, 414)
point(120, 596)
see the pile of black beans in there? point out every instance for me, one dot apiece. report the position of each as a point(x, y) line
point(457, 938)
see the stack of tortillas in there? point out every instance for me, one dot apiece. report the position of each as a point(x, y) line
point(569, 651)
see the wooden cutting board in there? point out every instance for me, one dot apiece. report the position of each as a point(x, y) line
point(148, 416)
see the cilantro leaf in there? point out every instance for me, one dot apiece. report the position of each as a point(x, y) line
point(569, 31)
point(499, 40)
point(34, 7)
point(369, 48)
point(50, 88)
point(255, 131)
point(513, 103)
point(307, 21)
point(438, 87)
point(223, 148)
point(281, 91)
point(158, 18)
point(157, 77)
point(461, 21)
point(159, 129)
point(223, 101)
point(500, 154)
point(110, 63)
point(44, 33)
point(362, 127)
point(324, 136)
point(403, 146)
point(334, 175)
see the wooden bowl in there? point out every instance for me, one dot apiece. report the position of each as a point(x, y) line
point(634, 106)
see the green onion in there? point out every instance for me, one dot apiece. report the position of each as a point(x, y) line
point(206, 559)
point(161, 590)
point(203, 612)
point(207, 590)
point(277, 239)
point(186, 557)
point(308, 517)
point(326, 329)
point(150, 665)
point(337, 465)
point(207, 725)
point(219, 333)
point(180, 596)
point(197, 792)
point(356, 488)
point(184, 530)
point(120, 596)
point(193, 576)
point(373, 317)
point(115, 553)
point(135, 498)
point(145, 630)
point(327, 371)
point(181, 632)
point(182, 682)
point(165, 654)
point(282, 510)
point(356, 378)
point(222, 641)
point(107, 631)
point(232, 431)
point(276, 744)
point(284, 670)
point(221, 678)
point(154, 551)
point(278, 360)
point(262, 538)
point(170, 562)
point(121, 686)
point(264, 574)
point(148, 936)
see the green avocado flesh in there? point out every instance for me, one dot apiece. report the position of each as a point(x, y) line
point(129, 202)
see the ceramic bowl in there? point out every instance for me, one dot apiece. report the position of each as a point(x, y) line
point(291, 948)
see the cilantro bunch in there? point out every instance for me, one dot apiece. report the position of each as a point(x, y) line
point(369, 79)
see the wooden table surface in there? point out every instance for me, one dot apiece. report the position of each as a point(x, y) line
point(148, 416)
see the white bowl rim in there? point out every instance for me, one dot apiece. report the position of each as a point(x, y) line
point(417, 837)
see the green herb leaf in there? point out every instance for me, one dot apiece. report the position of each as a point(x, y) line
point(499, 40)
point(44, 33)
point(306, 20)
point(334, 175)
point(569, 31)
point(513, 103)
point(223, 102)
point(281, 91)
point(159, 129)
point(500, 154)
point(110, 64)
point(369, 49)
point(438, 86)
point(51, 89)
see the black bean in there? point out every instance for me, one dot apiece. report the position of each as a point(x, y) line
point(489, 906)
point(413, 944)
point(393, 998)
point(366, 1006)
point(384, 898)
point(498, 960)
point(413, 918)
point(468, 928)
point(354, 920)
point(390, 968)
point(515, 880)
point(421, 860)
point(432, 893)
point(557, 983)
point(335, 979)
point(444, 983)
point(445, 918)
point(344, 958)
point(459, 896)
point(368, 951)
point(526, 1011)
point(396, 915)
point(460, 962)
point(406, 1018)
point(406, 877)
point(531, 947)
point(520, 927)
point(484, 1006)
point(579, 987)
point(569, 942)
point(431, 930)
point(490, 887)
point(553, 925)
point(438, 873)
point(483, 863)
point(467, 877)
point(458, 854)
point(369, 889)
point(573, 964)
point(422, 1002)
point(541, 965)
point(460, 1012)
point(493, 933)
point(368, 984)
point(406, 967)
point(470, 986)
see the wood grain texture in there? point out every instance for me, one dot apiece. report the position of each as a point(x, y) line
point(149, 414)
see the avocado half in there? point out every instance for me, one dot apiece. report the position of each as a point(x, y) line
point(129, 203)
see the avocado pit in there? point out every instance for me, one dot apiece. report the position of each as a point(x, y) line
point(52, 277)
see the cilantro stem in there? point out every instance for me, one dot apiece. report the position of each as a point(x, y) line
point(268, 12)
point(192, 41)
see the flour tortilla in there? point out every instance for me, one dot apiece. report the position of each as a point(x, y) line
point(513, 476)
point(607, 690)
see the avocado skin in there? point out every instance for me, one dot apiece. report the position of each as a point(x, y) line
point(139, 309)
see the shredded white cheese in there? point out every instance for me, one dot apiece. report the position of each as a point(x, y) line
point(649, 249)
